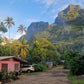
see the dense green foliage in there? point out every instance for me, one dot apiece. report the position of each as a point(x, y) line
point(68, 56)
point(75, 62)
point(43, 51)
point(76, 66)
point(40, 67)
point(36, 53)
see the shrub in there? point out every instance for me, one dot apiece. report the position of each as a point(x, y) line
point(76, 66)
point(7, 76)
point(40, 67)
point(68, 56)
point(4, 75)
point(13, 75)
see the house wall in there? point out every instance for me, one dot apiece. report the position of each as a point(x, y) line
point(11, 65)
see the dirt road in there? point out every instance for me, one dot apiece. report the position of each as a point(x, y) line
point(54, 76)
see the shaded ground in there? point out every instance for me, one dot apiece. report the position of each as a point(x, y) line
point(54, 76)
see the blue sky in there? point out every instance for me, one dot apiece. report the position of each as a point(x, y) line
point(27, 11)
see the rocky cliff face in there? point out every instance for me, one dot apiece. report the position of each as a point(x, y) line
point(71, 8)
point(36, 27)
point(33, 29)
point(70, 13)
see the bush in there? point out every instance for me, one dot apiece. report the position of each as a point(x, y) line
point(13, 75)
point(68, 56)
point(40, 67)
point(4, 75)
point(76, 66)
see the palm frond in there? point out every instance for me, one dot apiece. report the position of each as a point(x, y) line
point(21, 28)
point(9, 21)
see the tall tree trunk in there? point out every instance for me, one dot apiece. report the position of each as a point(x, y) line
point(3, 37)
point(9, 35)
point(22, 36)
point(9, 40)
point(3, 34)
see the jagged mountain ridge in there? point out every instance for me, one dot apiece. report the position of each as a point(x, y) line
point(34, 28)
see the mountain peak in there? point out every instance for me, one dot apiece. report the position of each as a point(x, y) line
point(68, 14)
point(71, 8)
point(74, 7)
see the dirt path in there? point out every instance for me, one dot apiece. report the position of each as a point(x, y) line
point(54, 76)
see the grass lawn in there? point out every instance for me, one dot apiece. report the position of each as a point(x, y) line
point(74, 81)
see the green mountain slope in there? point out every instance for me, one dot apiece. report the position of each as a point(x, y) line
point(67, 33)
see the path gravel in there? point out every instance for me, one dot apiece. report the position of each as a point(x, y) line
point(54, 76)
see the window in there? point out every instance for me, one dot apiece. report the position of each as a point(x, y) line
point(16, 66)
point(5, 67)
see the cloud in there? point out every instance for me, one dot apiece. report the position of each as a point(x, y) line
point(47, 2)
point(31, 20)
point(12, 1)
point(53, 10)
point(15, 1)
point(55, 3)
point(7, 37)
point(1, 19)
point(18, 36)
point(63, 7)
point(54, 17)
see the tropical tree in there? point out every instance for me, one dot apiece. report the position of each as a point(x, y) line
point(9, 22)
point(3, 29)
point(21, 29)
point(15, 47)
point(36, 53)
point(6, 40)
point(51, 52)
point(24, 48)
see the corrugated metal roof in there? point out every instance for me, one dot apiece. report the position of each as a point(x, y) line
point(17, 58)
point(5, 57)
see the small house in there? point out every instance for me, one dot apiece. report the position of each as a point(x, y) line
point(11, 63)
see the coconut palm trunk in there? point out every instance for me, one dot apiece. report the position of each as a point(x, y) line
point(9, 35)
point(22, 35)
point(9, 21)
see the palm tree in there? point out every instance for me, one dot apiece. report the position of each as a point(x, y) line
point(3, 29)
point(21, 29)
point(9, 22)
